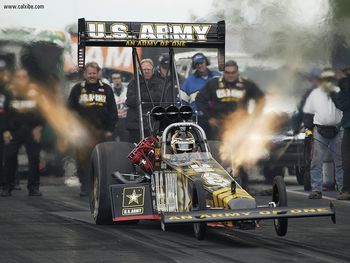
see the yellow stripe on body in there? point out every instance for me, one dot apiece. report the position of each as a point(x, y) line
point(228, 199)
point(216, 193)
point(243, 193)
point(222, 196)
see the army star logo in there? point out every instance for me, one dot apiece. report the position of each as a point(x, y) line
point(133, 198)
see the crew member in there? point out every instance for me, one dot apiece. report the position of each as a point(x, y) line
point(151, 92)
point(23, 127)
point(94, 102)
point(120, 91)
point(195, 82)
point(224, 95)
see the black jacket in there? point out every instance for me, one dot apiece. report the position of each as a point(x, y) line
point(167, 96)
point(95, 104)
point(218, 98)
point(23, 116)
point(342, 100)
point(155, 93)
point(5, 97)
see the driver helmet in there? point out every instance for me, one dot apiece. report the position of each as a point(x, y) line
point(183, 142)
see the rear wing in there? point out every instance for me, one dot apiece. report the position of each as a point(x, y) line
point(151, 34)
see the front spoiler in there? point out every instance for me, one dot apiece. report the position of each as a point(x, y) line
point(220, 215)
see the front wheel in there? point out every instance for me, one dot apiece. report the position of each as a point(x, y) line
point(199, 203)
point(279, 196)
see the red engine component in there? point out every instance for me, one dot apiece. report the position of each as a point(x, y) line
point(143, 154)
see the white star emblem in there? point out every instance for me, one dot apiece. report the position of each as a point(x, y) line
point(133, 198)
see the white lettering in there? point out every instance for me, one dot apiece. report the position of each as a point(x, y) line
point(96, 30)
point(201, 31)
point(147, 32)
point(182, 32)
point(162, 31)
point(119, 31)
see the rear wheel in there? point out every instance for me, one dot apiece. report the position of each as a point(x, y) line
point(106, 158)
point(279, 196)
point(199, 203)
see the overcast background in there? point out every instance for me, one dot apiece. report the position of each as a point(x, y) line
point(58, 14)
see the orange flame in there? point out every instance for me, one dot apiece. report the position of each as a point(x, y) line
point(246, 137)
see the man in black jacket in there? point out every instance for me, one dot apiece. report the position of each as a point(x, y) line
point(224, 95)
point(149, 98)
point(341, 99)
point(23, 126)
point(169, 93)
point(94, 102)
point(4, 108)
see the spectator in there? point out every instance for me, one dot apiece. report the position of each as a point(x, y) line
point(120, 132)
point(314, 79)
point(225, 94)
point(23, 127)
point(326, 134)
point(151, 92)
point(94, 102)
point(195, 82)
point(341, 98)
point(169, 93)
point(4, 108)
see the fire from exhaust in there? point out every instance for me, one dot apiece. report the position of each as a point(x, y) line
point(246, 137)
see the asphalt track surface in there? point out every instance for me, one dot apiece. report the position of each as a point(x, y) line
point(57, 227)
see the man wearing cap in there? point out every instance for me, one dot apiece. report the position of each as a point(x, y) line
point(120, 132)
point(326, 133)
point(341, 98)
point(169, 93)
point(195, 82)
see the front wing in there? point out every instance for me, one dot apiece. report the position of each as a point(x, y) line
point(220, 215)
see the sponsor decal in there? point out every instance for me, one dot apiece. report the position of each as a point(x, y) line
point(150, 34)
point(214, 179)
point(132, 211)
point(23, 105)
point(92, 99)
point(230, 94)
point(229, 215)
point(200, 168)
point(133, 196)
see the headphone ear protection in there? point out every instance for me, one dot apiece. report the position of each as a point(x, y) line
point(206, 60)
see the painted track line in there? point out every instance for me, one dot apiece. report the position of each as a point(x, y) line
point(323, 196)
